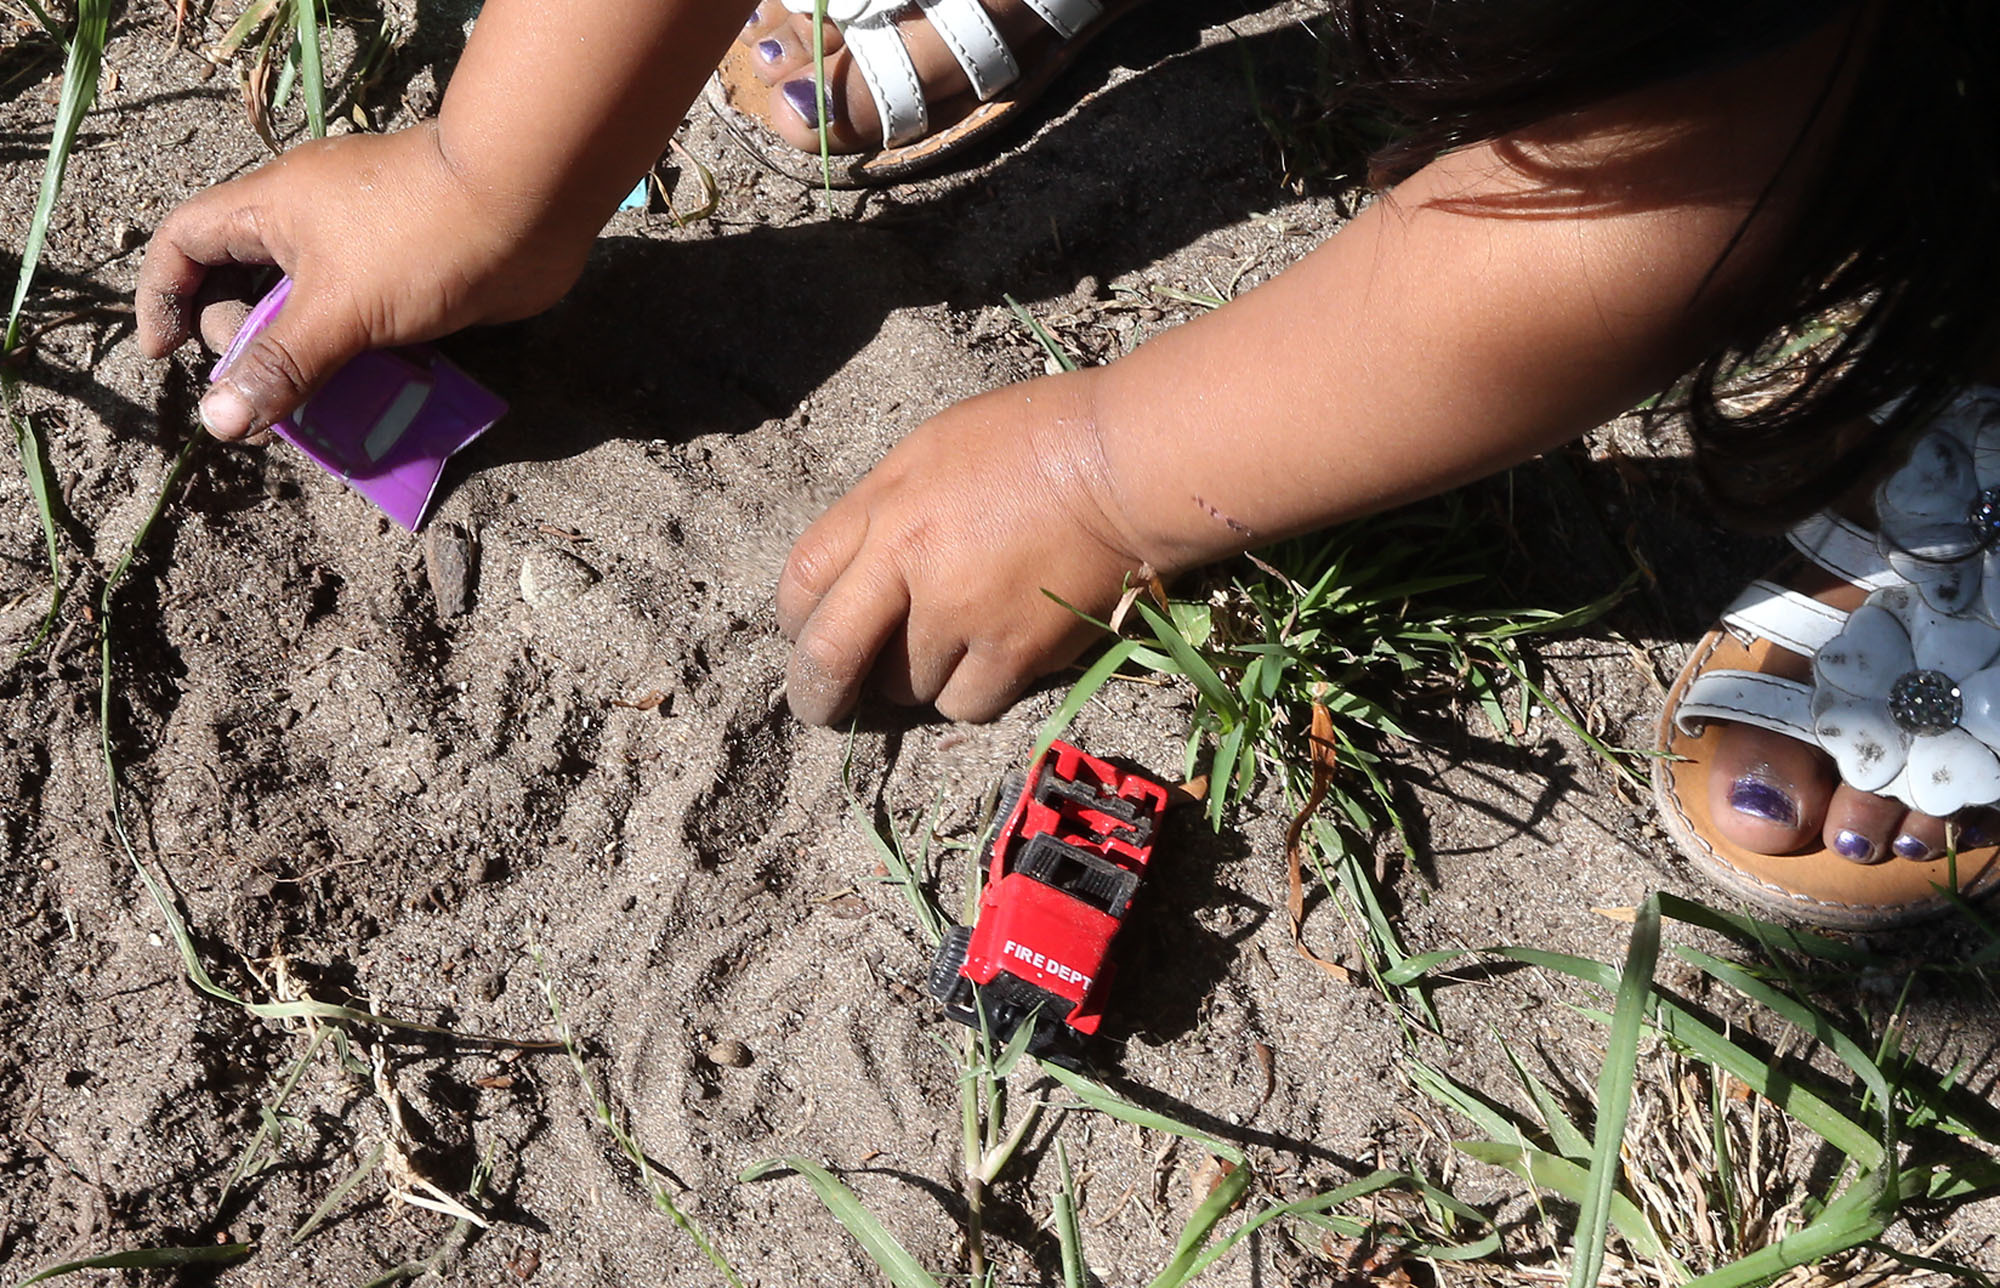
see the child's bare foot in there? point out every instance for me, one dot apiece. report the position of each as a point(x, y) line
point(1002, 45)
point(1774, 795)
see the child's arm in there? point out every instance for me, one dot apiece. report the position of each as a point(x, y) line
point(484, 215)
point(1505, 299)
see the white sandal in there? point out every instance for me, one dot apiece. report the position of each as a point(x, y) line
point(910, 146)
point(1905, 688)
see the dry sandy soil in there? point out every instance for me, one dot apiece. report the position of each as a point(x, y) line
point(329, 766)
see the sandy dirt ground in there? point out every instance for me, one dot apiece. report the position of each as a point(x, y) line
point(594, 756)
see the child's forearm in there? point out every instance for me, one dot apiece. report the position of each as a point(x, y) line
point(558, 106)
point(1485, 311)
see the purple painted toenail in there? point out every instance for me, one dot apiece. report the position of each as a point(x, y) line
point(1909, 847)
point(804, 101)
point(770, 50)
point(1850, 844)
point(1758, 799)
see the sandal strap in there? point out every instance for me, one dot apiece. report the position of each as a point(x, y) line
point(1067, 16)
point(868, 30)
point(891, 76)
point(1748, 697)
point(968, 30)
point(1785, 617)
point(1845, 549)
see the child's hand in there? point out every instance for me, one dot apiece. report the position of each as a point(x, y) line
point(930, 573)
point(386, 242)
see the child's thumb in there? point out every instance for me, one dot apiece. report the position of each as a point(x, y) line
point(278, 370)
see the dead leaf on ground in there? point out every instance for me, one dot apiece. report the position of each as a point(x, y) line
point(1325, 759)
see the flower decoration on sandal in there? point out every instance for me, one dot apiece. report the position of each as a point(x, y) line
point(1907, 700)
point(1939, 515)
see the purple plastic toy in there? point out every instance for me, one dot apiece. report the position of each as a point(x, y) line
point(386, 422)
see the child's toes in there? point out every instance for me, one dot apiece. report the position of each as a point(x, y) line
point(785, 51)
point(1863, 828)
point(1768, 793)
point(1918, 838)
point(769, 17)
point(852, 124)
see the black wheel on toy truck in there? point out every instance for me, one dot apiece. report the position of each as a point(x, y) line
point(946, 981)
point(1011, 787)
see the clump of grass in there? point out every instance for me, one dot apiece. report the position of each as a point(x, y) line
point(282, 44)
point(1904, 1135)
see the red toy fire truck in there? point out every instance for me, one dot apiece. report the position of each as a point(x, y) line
point(1067, 854)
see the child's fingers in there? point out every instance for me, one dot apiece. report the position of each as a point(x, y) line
point(221, 319)
point(992, 673)
point(817, 559)
point(983, 686)
point(837, 647)
point(213, 229)
point(914, 666)
point(303, 345)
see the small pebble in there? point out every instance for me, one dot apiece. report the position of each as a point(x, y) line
point(729, 1054)
point(552, 578)
point(448, 565)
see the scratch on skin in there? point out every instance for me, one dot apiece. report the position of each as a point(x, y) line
point(1240, 529)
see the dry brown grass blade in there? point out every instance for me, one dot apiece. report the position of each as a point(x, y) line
point(1325, 759)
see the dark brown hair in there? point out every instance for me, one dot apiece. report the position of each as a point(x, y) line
point(1898, 241)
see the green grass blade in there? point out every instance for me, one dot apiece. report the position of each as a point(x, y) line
point(1069, 1233)
point(1086, 687)
point(1050, 345)
point(1563, 1133)
point(1192, 665)
point(1709, 1043)
point(906, 878)
point(339, 1192)
point(312, 75)
point(1317, 1203)
point(607, 1118)
point(1106, 1101)
point(1572, 1181)
point(48, 24)
point(881, 1246)
point(1614, 1094)
point(34, 458)
point(80, 68)
point(1844, 1048)
point(1766, 935)
point(253, 16)
point(148, 1259)
point(1195, 1234)
point(822, 101)
point(1495, 1120)
point(1222, 772)
point(269, 1127)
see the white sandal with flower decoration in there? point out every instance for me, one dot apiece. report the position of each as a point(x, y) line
point(1904, 642)
point(910, 144)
